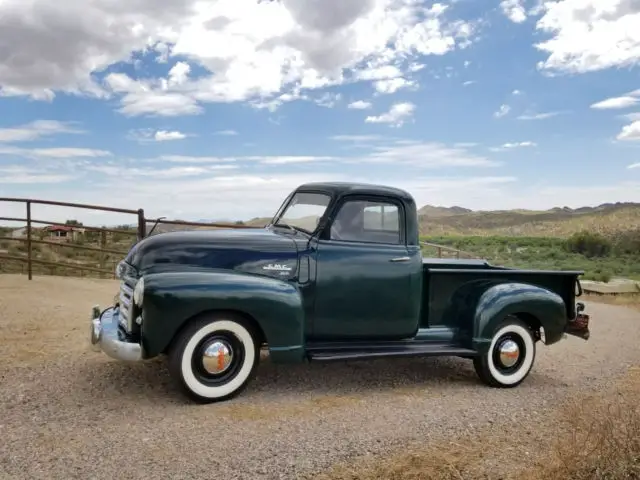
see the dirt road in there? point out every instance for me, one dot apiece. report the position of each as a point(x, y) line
point(66, 412)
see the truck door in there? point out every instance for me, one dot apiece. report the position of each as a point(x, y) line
point(364, 272)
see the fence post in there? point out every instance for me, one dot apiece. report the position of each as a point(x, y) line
point(142, 225)
point(103, 256)
point(29, 266)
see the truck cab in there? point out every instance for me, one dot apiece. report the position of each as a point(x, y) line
point(337, 274)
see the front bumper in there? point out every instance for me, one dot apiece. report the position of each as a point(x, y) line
point(104, 336)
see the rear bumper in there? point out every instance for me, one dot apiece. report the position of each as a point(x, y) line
point(104, 337)
point(579, 326)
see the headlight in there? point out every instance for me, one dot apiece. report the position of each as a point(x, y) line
point(138, 292)
point(120, 270)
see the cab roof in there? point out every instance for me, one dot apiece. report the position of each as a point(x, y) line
point(342, 188)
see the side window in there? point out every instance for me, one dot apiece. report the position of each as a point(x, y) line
point(367, 221)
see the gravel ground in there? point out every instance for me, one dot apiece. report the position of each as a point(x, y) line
point(66, 412)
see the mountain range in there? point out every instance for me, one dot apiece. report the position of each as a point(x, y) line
point(607, 218)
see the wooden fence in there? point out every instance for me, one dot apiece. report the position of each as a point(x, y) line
point(139, 232)
point(104, 249)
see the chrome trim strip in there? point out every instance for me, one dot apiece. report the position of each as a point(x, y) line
point(126, 304)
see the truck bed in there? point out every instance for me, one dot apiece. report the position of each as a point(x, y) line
point(442, 278)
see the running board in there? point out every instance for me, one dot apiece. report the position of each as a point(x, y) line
point(344, 352)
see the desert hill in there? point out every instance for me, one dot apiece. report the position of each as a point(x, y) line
point(560, 221)
point(608, 218)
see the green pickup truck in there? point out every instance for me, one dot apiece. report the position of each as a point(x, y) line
point(338, 274)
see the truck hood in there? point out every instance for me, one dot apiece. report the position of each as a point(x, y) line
point(259, 251)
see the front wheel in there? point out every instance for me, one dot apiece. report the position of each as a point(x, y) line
point(214, 358)
point(510, 356)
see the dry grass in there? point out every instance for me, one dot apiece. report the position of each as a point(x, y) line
point(597, 437)
point(532, 224)
point(625, 300)
point(602, 439)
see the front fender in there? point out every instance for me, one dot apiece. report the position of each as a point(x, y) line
point(173, 298)
point(505, 299)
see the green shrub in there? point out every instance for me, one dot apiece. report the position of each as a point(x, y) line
point(627, 243)
point(589, 244)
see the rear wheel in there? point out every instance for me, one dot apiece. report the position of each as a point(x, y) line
point(214, 358)
point(510, 356)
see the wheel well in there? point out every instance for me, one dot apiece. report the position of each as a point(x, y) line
point(260, 340)
point(533, 322)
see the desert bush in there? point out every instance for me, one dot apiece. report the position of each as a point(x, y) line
point(589, 244)
point(627, 242)
point(543, 253)
point(602, 440)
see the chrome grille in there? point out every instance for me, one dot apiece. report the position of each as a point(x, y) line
point(126, 305)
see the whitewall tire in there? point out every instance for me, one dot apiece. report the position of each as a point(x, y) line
point(214, 357)
point(510, 356)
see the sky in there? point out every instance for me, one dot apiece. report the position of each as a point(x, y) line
point(217, 109)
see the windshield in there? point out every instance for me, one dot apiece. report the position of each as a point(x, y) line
point(304, 211)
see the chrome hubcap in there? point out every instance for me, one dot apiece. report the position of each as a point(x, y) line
point(509, 353)
point(217, 357)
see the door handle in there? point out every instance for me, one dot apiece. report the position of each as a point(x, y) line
point(400, 259)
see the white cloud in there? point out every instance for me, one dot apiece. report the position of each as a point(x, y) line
point(226, 132)
point(151, 135)
point(242, 187)
point(424, 155)
point(155, 172)
point(396, 116)
point(256, 50)
point(359, 105)
point(512, 145)
point(356, 138)
point(393, 85)
point(634, 165)
point(43, 95)
point(514, 10)
point(502, 111)
point(228, 195)
point(58, 152)
point(516, 92)
point(165, 135)
point(632, 117)
point(179, 74)
point(17, 174)
point(193, 159)
point(538, 116)
point(328, 100)
point(264, 159)
point(469, 82)
point(35, 130)
point(616, 103)
point(287, 159)
point(630, 132)
point(587, 36)
point(150, 97)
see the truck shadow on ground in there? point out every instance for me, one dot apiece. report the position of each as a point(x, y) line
point(150, 381)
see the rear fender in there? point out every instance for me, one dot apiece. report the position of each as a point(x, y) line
point(505, 299)
point(171, 299)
